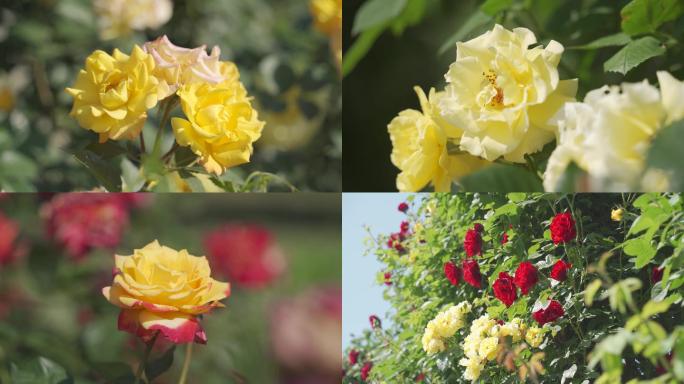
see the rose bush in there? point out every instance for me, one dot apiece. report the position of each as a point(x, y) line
point(572, 297)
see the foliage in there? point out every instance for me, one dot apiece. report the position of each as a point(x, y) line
point(620, 325)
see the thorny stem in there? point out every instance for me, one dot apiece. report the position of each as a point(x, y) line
point(146, 356)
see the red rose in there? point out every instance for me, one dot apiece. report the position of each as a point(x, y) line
point(419, 378)
point(365, 370)
point(473, 243)
point(559, 271)
point(504, 238)
point(526, 277)
point(478, 227)
point(656, 275)
point(246, 254)
point(388, 278)
point(375, 322)
point(9, 231)
point(452, 272)
point(549, 314)
point(504, 289)
point(82, 221)
point(395, 240)
point(403, 207)
point(353, 356)
point(471, 273)
point(562, 228)
point(404, 227)
point(660, 370)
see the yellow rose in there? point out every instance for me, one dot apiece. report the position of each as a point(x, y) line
point(177, 65)
point(119, 17)
point(608, 135)
point(489, 348)
point(113, 93)
point(420, 148)
point(161, 289)
point(327, 15)
point(221, 124)
point(534, 337)
point(503, 93)
point(616, 214)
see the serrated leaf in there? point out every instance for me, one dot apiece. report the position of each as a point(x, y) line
point(644, 16)
point(106, 173)
point(641, 249)
point(633, 54)
point(607, 41)
point(376, 12)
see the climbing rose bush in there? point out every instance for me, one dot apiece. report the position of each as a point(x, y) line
point(573, 296)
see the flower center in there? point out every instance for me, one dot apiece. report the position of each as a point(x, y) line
point(497, 100)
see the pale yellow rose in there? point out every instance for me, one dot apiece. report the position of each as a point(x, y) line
point(163, 290)
point(119, 17)
point(419, 141)
point(503, 93)
point(534, 337)
point(609, 134)
point(177, 65)
point(616, 214)
point(221, 125)
point(113, 93)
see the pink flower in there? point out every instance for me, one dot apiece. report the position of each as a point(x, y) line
point(306, 335)
point(403, 207)
point(247, 255)
point(375, 322)
point(9, 232)
point(80, 222)
point(365, 370)
point(388, 278)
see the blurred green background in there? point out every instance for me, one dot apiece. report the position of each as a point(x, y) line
point(410, 52)
point(52, 307)
point(285, 63)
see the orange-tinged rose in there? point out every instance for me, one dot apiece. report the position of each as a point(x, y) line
point(163, 290)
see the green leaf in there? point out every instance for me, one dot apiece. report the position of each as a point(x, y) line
point(617, 39)
point(590, 291)
point(499, 177)
point(641, 249)
point(655, 307)
point(666, 153)
point(359, 49)
point(644, 16)
point(106, 173)
point(492, 7)
point(633, 54)
point(477, 22)
point(114, 372)
point(160, 365)
point(39, 371)
point(132, 178)
point(376, 12)
point(571, 179)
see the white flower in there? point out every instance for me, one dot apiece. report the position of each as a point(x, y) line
point(118, 17)
point(608, 135)
point(502, 93)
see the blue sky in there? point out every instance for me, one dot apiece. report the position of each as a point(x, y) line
point(361, 295)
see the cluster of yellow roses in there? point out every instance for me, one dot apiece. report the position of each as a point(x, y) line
point(444, 326)
point(114, 92)
point(327, 15)
point(484, 342)
point(504, 101)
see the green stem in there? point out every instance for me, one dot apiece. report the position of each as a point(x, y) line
point(146, 356)
point(142, 143)
point(186, 364)
point(171, 151)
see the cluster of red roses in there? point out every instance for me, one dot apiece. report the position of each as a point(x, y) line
point(395, 240)
point(525, 276)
